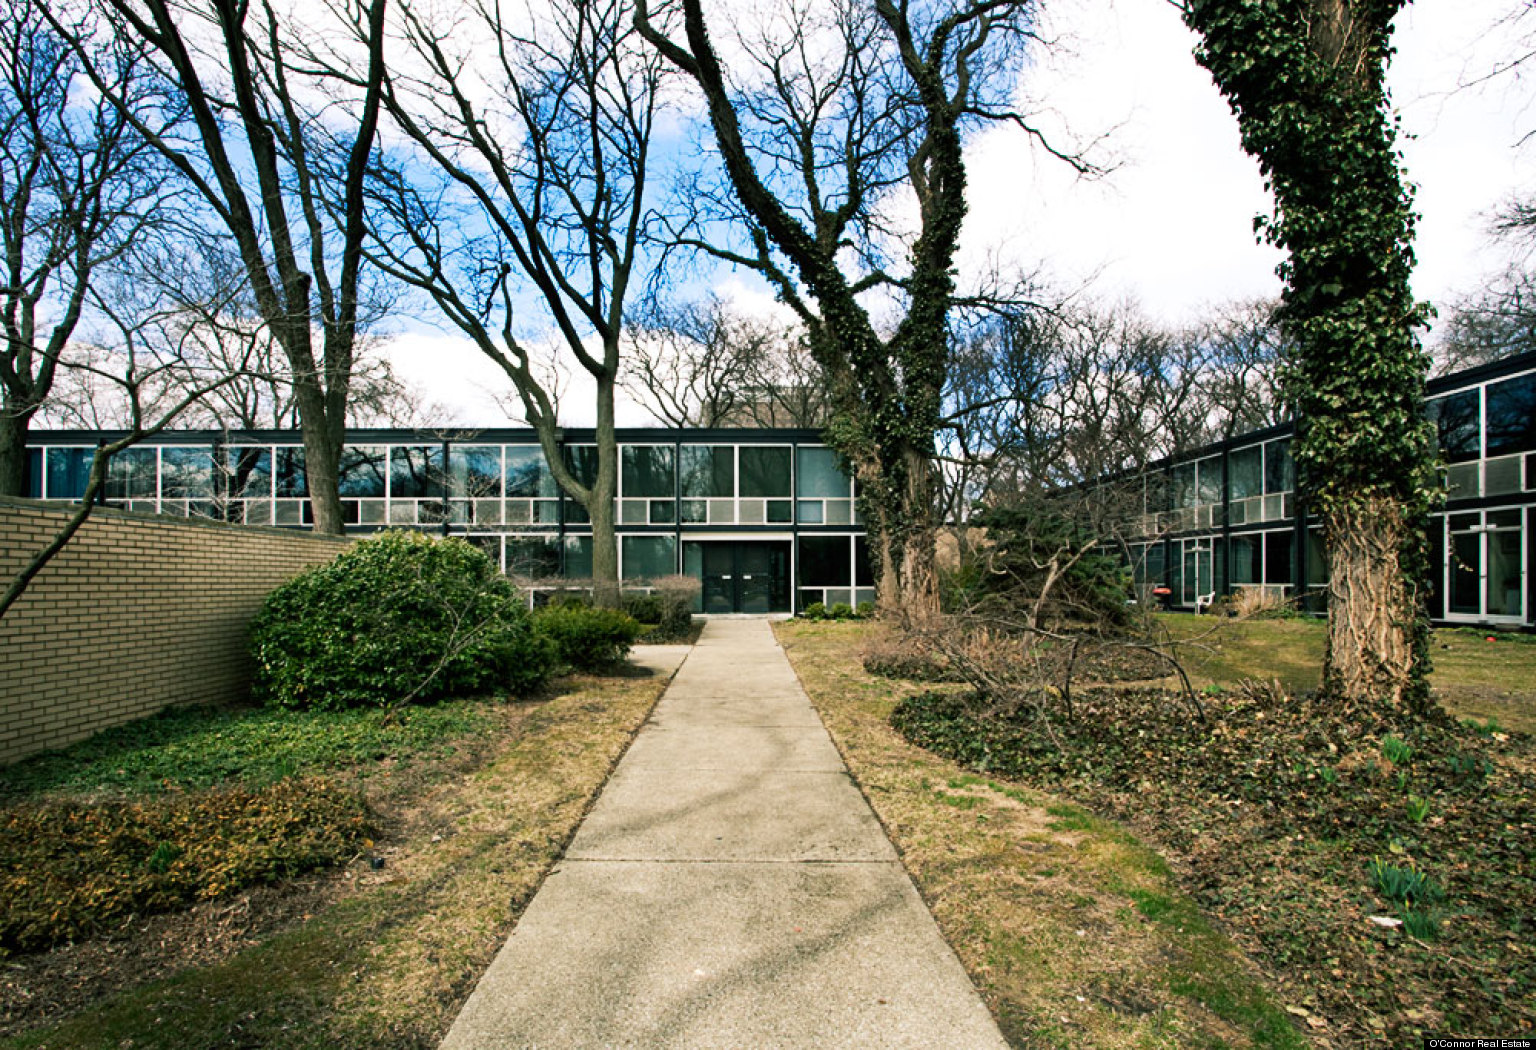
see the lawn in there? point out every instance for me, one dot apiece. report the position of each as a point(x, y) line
point(473, 802)
point(1076, 933)
point(1473, 676)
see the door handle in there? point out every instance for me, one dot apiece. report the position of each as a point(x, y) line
point(726, 576)
point(746, 577)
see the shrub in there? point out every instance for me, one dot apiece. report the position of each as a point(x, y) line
point(68, 869)
point(646, 608)
point(397, 616)
point(865, 610)
point(677, 594)
point(587, 639)
point(840, 611)
point(815, 611)
point(1025, 547)
point(898, 654)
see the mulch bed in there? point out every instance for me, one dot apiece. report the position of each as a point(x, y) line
point(1274, 808)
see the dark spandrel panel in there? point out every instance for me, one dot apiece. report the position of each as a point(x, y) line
point(1245, 469)
point(647, 557)
point(765, 471)
point(35, 473)
point(289, 478)
point(1512, 415)
point(825, 561)
point(527, 473)
point(1456, 419)
point(362, 471)
point(416, 471)
point(69, 471)
point(249, 472)
point(708, 471)
point(476, 470)
point(817, 474)
point(647, 471)
point(1279, 468)
point(576, 514)
point(186, 473)
point(581, 461)
point(132, 474)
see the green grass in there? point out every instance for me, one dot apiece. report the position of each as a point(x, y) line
point(198, 747)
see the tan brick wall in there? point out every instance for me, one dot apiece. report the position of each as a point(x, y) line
point(137, 613)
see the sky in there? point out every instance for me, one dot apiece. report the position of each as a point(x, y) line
point(1170, 226)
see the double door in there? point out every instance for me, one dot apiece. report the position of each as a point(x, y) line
point(740, 576)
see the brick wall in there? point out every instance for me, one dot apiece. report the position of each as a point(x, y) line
point(137, 613)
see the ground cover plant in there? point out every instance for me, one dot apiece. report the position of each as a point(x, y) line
point(1379, 866)
point(399, 617)
point(470, 804)
point(1076, 933)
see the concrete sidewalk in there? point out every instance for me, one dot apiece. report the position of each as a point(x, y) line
point(731, 888)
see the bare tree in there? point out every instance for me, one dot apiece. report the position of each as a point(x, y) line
point(79, 188)
point(541, 131)
point(249, 134)
point(821, 118)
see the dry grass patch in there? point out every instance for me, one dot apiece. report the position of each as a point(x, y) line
point(1074, 931)
point(388, 956)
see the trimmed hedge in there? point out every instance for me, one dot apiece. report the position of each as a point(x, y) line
point(69, 869)
point(397, 615)
point(588, 639)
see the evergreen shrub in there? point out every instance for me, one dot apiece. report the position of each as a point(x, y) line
point(587, 639)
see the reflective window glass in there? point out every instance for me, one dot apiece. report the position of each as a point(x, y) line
point(1247, 560)
point(290, 478)
point(1279, 562)
point(35, 473)
point(250, 472)
point(534, 557)
point(764, 471)
point(475, 470)
point(527, 473)
point(646, 471)
point(863, 568)
point(825, 561)
point(1279, 468)
point(581, 460)
point(1210, 480)
point(647, 557)
point(186, 473)
point(818, 476)
point(1246, 472)
point(1456, 419)
point(131, 474)
point(1184, 485)
point(361, 474)
point(416, 471)
point(69, 471)
point(1512, 415)
point(708, 471)
point(578, 557)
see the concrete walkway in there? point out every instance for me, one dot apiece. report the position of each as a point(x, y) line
point(731, 888)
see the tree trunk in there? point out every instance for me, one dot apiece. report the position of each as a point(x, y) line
point(605, 543)
point(919, 577)
point(1372, 608)
point(13, 453)
point(322, 458)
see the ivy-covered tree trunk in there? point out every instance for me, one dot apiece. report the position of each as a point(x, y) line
point(1305, 79)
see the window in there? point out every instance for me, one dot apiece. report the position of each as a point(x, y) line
point(1247, 560)
point(35, 473)
point(819, 476)
point(765, 472)
point(535, 557)
point(186, 473)
point(1279, 469)
point(708, 471)
point(291, 482)
point(825, 561)
point(646, 557)
point(475, 471)
point(250, 473)
point(646, 471)
point(416, 471)
point(578, 557)
point(581, 461)
point(1210, 480)
point(1279, 564)
point(1512, 415)
point(1184, 485)
point(1246, 466)
point(69, 471)
point(361, 474)
point(132, 474)
point(1456, 419)
point(527, 474)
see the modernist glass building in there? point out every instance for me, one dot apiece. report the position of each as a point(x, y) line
point(763, 518)
point(1228, 516)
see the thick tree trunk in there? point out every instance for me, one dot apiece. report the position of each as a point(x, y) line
point(13, 453)
point(605, 543)
point(1372, 607)
point(919, 576)
point(322, 459)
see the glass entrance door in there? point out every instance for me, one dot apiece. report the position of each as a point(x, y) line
point(1485, 574)
point(1197, 588)
point(740, 576)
